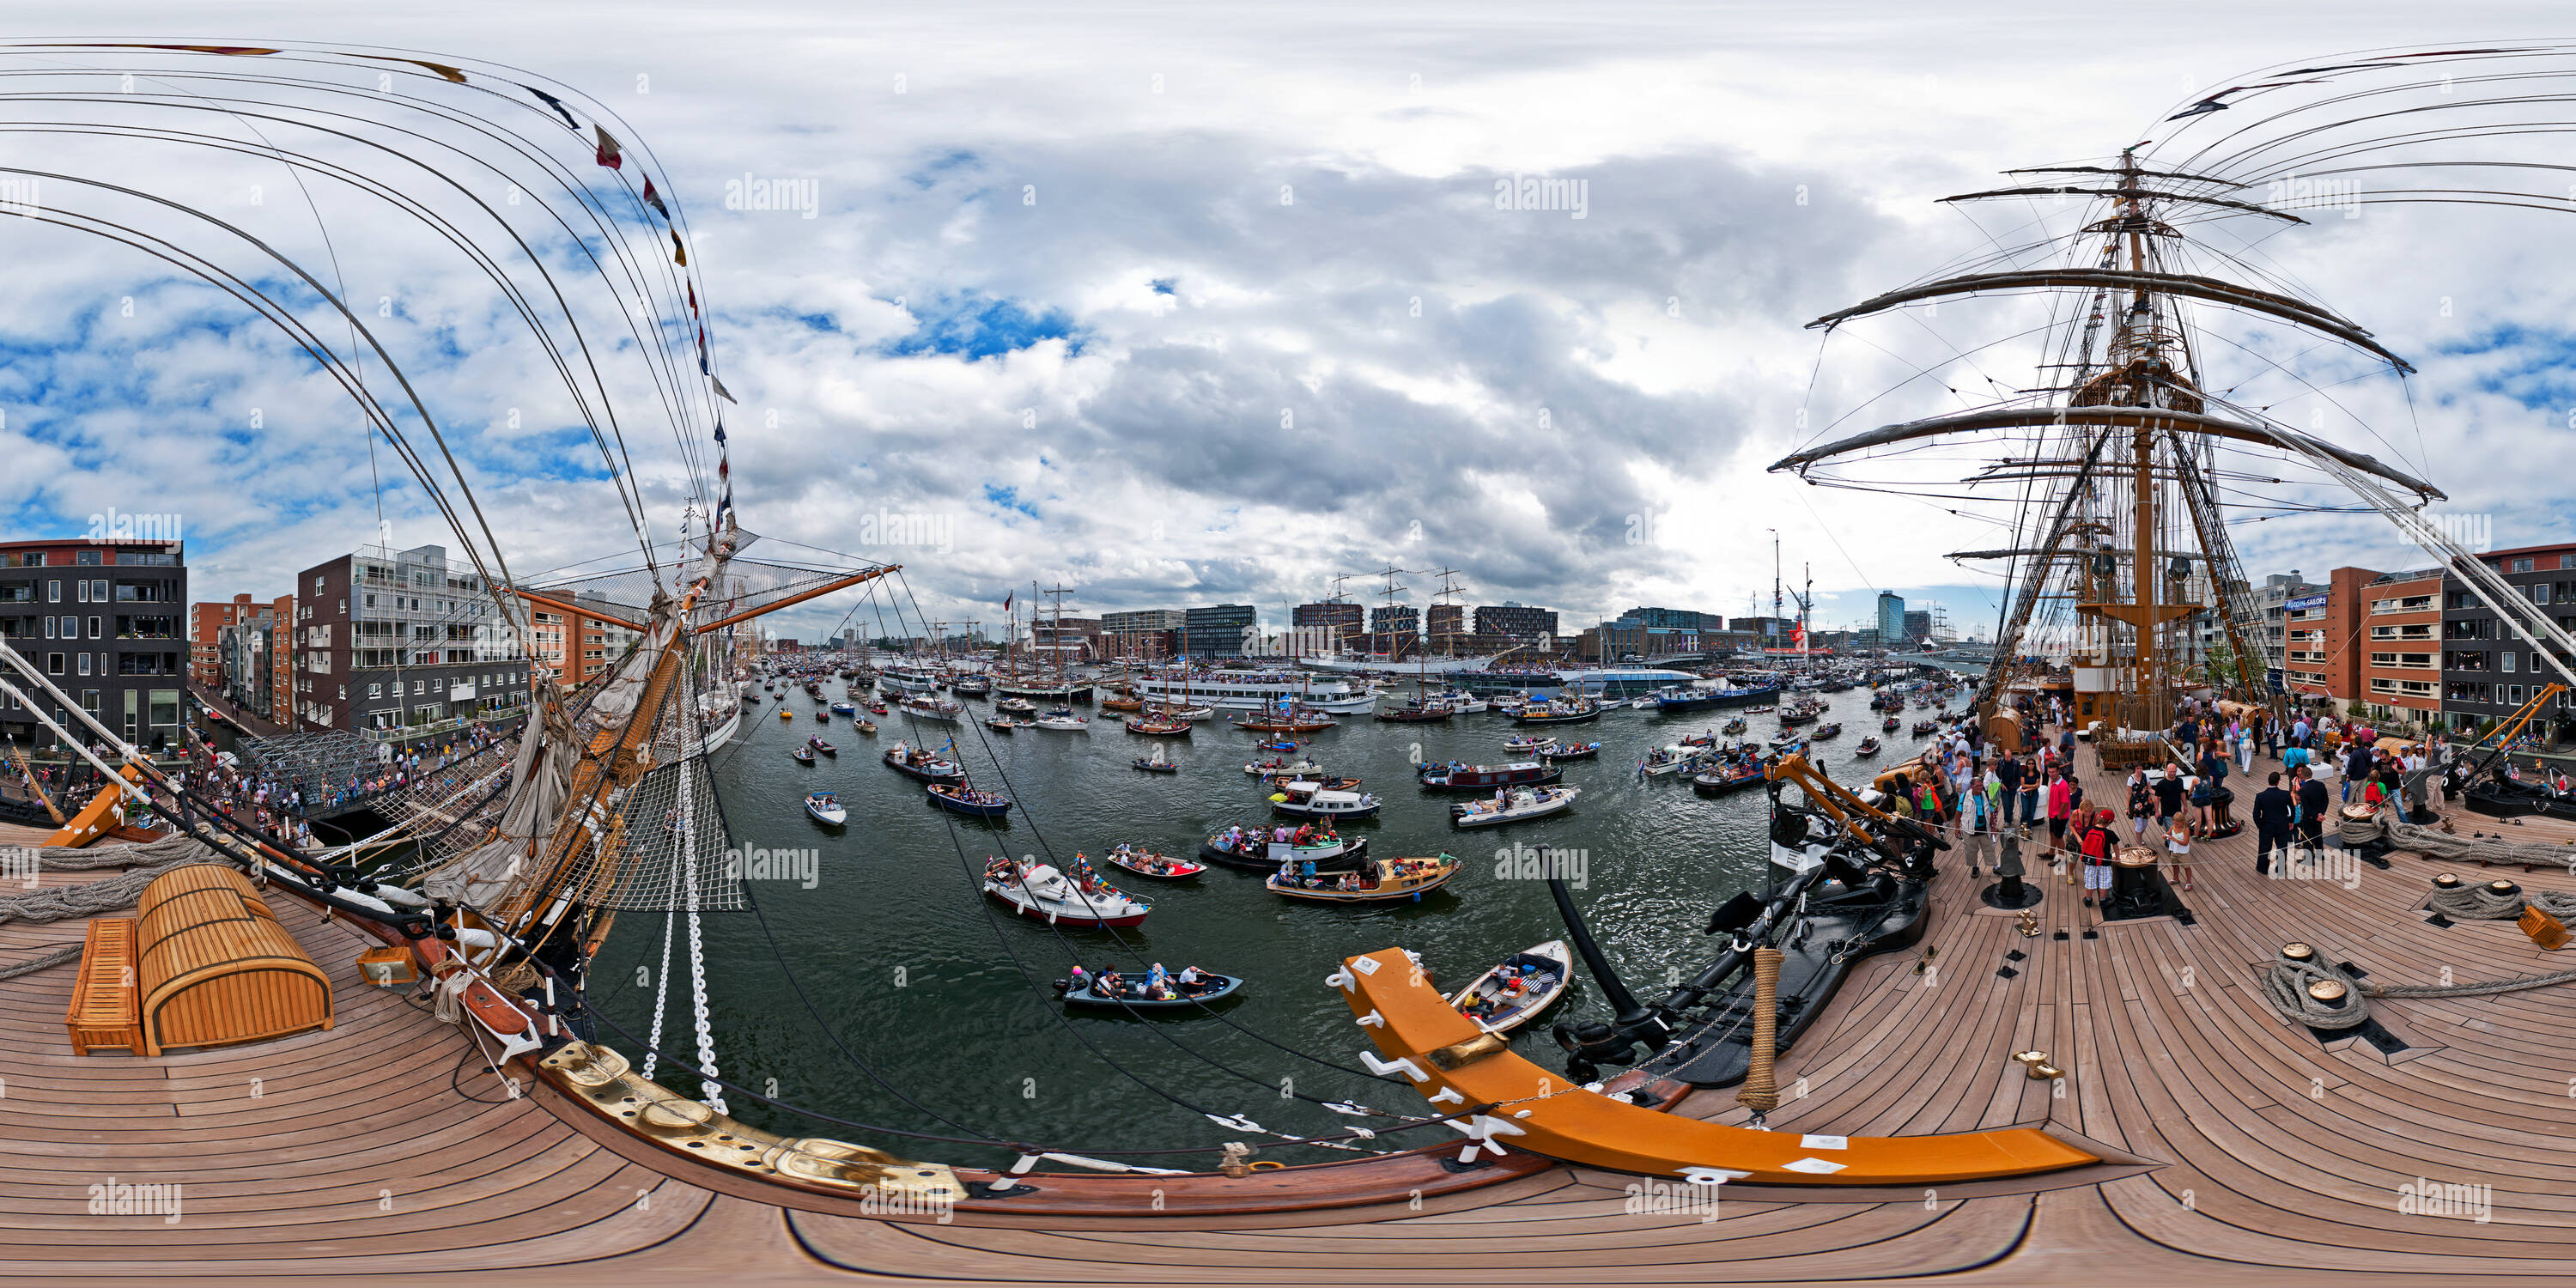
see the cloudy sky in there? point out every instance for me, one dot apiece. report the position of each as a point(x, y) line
point(1189, 304)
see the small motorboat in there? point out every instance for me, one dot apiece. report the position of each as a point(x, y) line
point(1146, 863)
point(1063, 720)
point(785, 714)
point(1016, 706)
point(845, 708)
point(1281, 745)
point(1314, 800)
point(876, 708)
point(1155, 765)
point(868, 727)
point(1734, 726)
point(921, 765)
point(1826, 731)
point(826, 808)
point(1527, 803)
point(1666, 760)
point(1517, 988)
point(1922, 727)
point(1007, 724)
point(1276, 766)
point(957, 798)
point(1328, 781)
point(1891, 724)
point(1526, 742)
point(1727, 778)
point(1044, 893)
point(824, 747)
point(1867, 746)
point(1258, 848)
point(1192, 987)
point(1762, 710)
point(970, 686)
point(1569, 751)
point(1704, 740)
point(802, 755)
point(1376, 881)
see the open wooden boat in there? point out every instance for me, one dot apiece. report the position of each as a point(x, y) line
point(1667, 760)
point(1146, 863)
point(1891, 724)
point(824, 807)
point(1133, 993)
point(868, 727)
point(1414, 715)
point(1922, 727)
point(1515, 807)
point(1006, 724)
point(958, 798)
point(824, 747)
point(1276, 766)
point(1376, 881)
point(1122, 702)
point(1867, 746)
point(1735, 726)
point(1158, 726)
point(802, 755)
point(1518, 988)
point(1827, 731)
point(1527, 743)
point(1046, 894)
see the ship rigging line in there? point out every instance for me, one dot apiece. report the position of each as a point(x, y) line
point(1123, 944)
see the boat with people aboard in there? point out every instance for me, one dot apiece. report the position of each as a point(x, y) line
point(1528, 743)
point(1459, 776)
point(1824, 731)
point(1277, 765)
point(1329, 782)
point(1518, 988)
point(1006, 724)
point(1891, 724)
point(1669, 759)
point(1157, 762)
point(1157, 726)
point(1414, 713)
point(826, 748)
point(931, 707)
point(1016, 707)
point(1264, 846)
point(913, 763)
point(1721, 779)
point(1233, 690)
point(1316, 801)
point(801, 754)
point(1151, 990)
point(1148, 863)
point(1557, 712)
point(1045, 893)
point(1514, 807)
point(863, 726)
point(1923, 727)
point(1291, 721)
point(957, 798)
point(1867, 746)
point(845, 708)
point(1373, 881)
point(973, 684)
point(1735, 726)
point(825, 807)
point(1569, 751)
point(1063, 720)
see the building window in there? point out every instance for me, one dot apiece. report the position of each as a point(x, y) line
point(2513, 694)
point(375, 690)
point(53, 664)
point(53, 592)
point(84, 662)
point(85, 557)
point(2507, 661)
point(2520, 565)
point(93, 629)
point(2540, 592)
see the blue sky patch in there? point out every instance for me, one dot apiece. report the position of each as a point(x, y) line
point(977, 325)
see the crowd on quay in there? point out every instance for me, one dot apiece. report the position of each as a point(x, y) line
point(1973, 790)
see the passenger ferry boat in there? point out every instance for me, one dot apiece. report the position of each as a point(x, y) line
point(902, 678)
point(1253, 691)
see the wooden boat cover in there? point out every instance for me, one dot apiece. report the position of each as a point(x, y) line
point(216, 969)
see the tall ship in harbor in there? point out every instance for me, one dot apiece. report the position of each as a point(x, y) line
point(574, 1010)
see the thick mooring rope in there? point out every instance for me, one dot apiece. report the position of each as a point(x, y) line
point(1761, 1090)
point(2434, 843)
point(2477, 903)
point(91, 899)
point(2285, 986)
point(58, 957)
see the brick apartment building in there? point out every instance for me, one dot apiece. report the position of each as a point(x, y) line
point(396, 642)
point(2487, 671)
point(2371, 637)
point(105, 621)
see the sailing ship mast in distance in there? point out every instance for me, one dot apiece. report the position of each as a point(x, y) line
point(2119, 435)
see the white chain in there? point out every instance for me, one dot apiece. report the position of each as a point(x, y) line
point(661, 994)
point(697, 953)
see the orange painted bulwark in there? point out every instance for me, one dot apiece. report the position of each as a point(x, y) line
point(96, 819)
point(215, 968)
point(1535, 1109)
